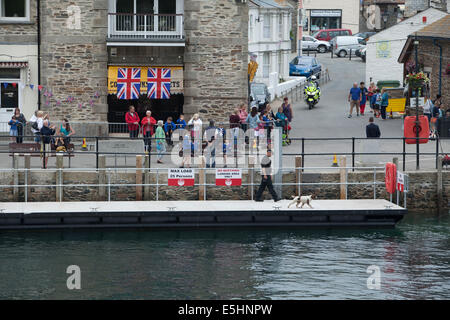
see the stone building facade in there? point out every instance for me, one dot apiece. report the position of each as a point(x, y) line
point(18, 58)
point(73, 58)
point(78, 49)
point(433, 54)
point(215, 58)
point(384, 48)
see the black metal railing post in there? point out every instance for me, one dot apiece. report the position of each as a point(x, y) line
point(437, 151)
point(404, 153)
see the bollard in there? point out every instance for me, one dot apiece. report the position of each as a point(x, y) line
point(343, 177)
point(139, 178)
point(102, 177)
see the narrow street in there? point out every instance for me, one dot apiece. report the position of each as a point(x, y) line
point(329, 119)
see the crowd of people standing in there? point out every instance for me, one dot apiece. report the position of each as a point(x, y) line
point(261, 122)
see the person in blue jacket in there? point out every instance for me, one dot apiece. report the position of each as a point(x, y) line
point(181, 123)
point(169, 127)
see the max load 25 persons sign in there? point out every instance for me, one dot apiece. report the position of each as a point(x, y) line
point(181, 177)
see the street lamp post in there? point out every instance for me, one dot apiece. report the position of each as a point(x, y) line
point(416, 44)
point(300, 19)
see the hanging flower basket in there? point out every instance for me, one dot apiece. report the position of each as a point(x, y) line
point(417, 80)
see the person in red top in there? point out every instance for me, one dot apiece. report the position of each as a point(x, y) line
point(132, 119)
point(148, 126)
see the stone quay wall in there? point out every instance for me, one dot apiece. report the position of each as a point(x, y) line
point(83, 186)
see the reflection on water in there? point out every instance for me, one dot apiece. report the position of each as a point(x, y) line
point(223, 264)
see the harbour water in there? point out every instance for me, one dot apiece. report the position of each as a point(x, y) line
point(413, 260)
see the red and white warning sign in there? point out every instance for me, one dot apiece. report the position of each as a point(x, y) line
point(400, 181)
point(228, 177)
point(181, 177)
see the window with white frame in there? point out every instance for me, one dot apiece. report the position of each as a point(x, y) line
point(15, 10)
point(266, 64)
point(266, 26)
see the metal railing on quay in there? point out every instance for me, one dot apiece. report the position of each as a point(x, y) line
point(249, 145)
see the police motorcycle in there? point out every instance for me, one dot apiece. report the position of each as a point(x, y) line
point(312, 93)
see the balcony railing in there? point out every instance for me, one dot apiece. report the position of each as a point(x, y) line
point(130, 26)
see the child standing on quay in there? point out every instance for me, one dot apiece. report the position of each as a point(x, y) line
point(13, 131)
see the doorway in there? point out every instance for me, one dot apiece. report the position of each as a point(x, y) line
point(161, 108)
point(9, 95)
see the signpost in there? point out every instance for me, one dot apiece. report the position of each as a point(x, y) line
point(181, 177)
point(228, 177)
point(402, 186)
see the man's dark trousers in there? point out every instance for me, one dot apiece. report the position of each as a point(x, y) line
point(266, 183)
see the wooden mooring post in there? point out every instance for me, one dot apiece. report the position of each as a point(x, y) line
point(298, 175)
point(343, 177)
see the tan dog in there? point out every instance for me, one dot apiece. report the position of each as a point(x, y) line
point(302, 200)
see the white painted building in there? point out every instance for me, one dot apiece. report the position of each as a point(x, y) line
point(384, 48)
point(270, 25)
point(18, 59)
point(331, 14)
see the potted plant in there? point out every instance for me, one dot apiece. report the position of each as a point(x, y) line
point(417, 80)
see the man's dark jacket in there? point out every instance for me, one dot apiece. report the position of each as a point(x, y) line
point(373, 131)
point(47, 134)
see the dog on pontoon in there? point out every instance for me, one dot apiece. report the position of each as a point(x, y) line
point(297, 200)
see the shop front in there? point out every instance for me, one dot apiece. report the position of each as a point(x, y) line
point(324, 19)
point(171, 106)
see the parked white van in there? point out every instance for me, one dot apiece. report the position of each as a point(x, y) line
point(343, 44)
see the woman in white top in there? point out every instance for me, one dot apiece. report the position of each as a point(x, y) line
point(197, 123)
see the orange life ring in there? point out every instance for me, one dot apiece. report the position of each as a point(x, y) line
point(409, 129)
point(390, 178)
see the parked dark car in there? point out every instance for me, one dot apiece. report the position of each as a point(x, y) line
point(305, 66)
point(365, 35)
point(259, 95)
point(361, 53)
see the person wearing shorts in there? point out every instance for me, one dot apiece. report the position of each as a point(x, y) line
point(377, 103)
point(354, 97)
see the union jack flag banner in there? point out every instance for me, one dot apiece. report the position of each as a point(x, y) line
point(128, 83)
point(158, 83)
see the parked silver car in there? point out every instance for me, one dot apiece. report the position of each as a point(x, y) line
point(311, 43)
point(343, 45)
